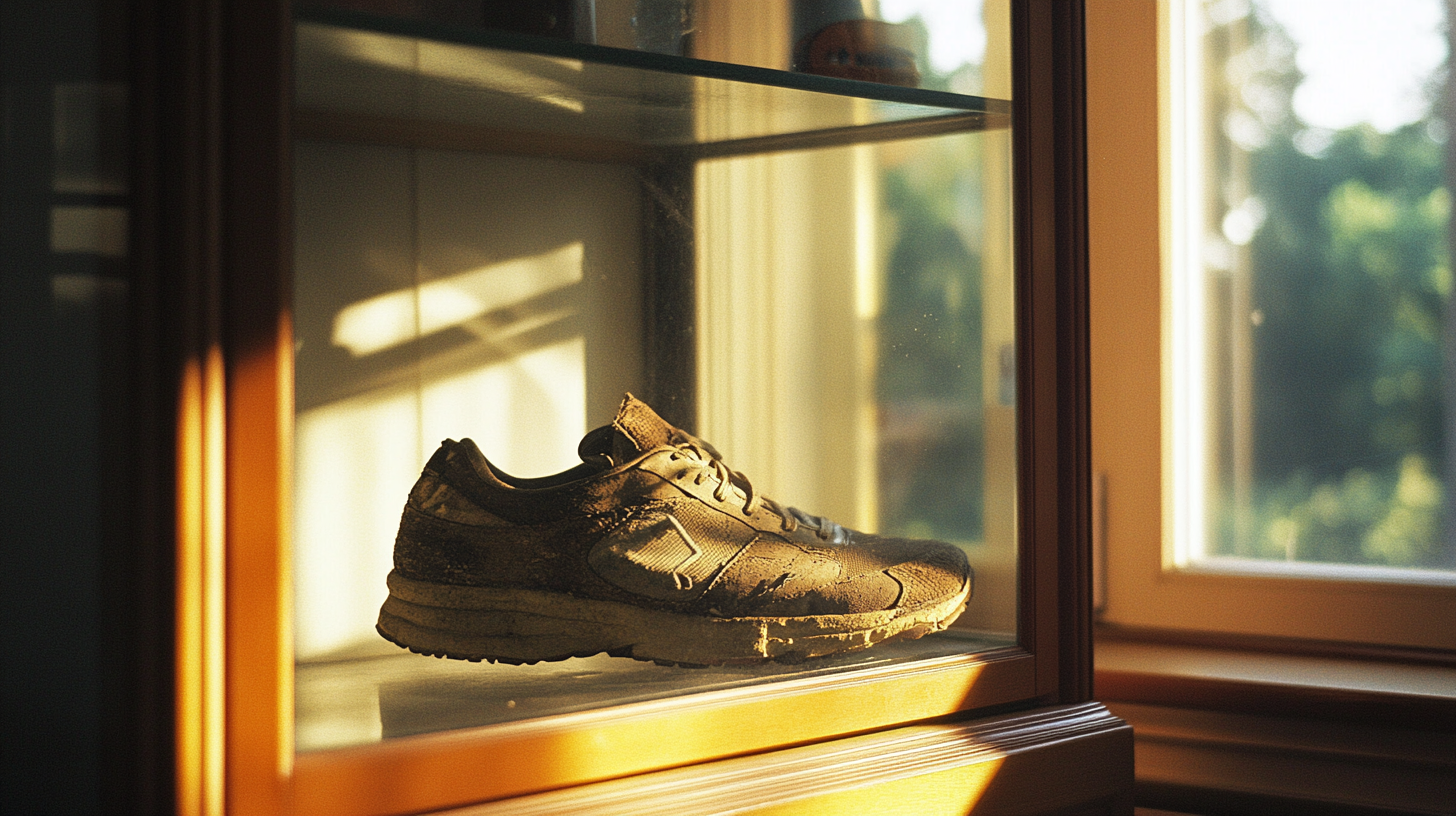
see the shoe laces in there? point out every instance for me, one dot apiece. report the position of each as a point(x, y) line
point(707, 466)
point(710, 465)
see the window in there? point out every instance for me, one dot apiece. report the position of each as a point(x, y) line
point(1268, 376)
point(1311, 269)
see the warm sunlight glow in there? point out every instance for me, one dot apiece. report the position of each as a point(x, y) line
point(1184, 374)
point(486, 69)
point(399, 53)
point(390, 319)
point(199, 678)
point(957, 35)
point(462, 65)
point(358, 457)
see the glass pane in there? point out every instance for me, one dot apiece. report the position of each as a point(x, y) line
point(868, 369)
point(498, 245)
point(1316, 324)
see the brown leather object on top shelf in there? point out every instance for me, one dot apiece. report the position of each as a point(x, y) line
point(868, 50)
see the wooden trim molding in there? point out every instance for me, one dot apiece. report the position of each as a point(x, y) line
point(1073, 368)
point(177, 222)
point(1304, 647)
point(1410, 695)
point(1224, 730)
point(255, 249)
point(1067, 758)
point(1049, 137)
point(1213, 762)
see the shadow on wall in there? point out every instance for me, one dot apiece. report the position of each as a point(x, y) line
point(442, 295)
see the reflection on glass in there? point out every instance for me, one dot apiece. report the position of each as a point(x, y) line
point(855, 340)
point(848, 306)
point(911, 43)
point(1316, 339)
point(89, 138)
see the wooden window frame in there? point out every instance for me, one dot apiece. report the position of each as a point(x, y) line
point(1247, 694)
point(1131, 169)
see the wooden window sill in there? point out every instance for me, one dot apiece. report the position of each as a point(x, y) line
point(1220, 729)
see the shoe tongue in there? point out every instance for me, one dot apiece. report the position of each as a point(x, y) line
point(636, 430)
point(639, 429)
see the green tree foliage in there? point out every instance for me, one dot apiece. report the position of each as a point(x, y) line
point(1350, 275)
point(932, 450)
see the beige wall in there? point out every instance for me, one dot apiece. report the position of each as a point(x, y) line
point(443, 294)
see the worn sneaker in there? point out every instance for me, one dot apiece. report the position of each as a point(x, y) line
point(652, 548)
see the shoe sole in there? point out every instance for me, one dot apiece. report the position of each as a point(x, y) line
point(529, 626)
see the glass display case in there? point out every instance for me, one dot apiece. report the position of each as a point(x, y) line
point(799, 231)
point(497, 243)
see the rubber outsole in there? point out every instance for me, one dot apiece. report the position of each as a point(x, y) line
point(520, 626)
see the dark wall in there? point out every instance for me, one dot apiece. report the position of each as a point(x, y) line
point(64, 300)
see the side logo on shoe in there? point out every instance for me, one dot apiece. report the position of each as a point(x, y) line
point(683, 580)
point(656, 555)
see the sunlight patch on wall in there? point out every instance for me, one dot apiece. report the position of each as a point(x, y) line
point(357, 459)
point(388, 320)
point(526, 414)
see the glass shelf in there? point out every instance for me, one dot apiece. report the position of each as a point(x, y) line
point(390, 693)
point(396, 76)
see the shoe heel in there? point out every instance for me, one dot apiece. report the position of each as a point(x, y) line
point(479, 623)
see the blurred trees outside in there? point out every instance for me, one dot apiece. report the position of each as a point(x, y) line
point(929, 388)
point(1346, 245)
point(1350, 278)
point(929, 383)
